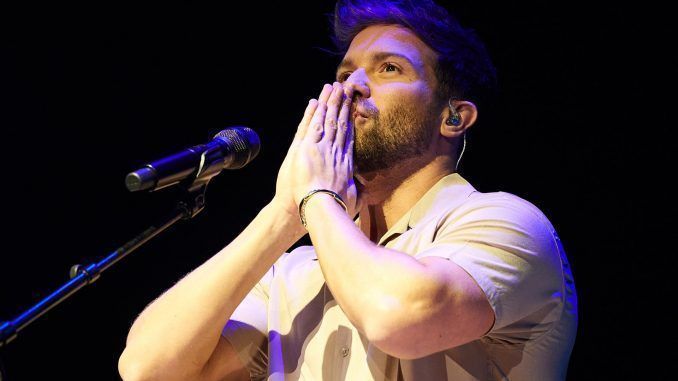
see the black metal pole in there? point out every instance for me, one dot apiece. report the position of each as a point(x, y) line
point(81, 276)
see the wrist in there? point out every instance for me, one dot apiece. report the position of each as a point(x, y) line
point(316, 192)
point(319, 205)
point(285, 219)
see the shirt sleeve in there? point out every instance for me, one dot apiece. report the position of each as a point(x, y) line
point(510, 249)
point(247, 329)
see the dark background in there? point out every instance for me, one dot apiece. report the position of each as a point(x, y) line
point(91, 92)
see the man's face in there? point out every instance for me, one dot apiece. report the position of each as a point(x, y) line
point(395, 109)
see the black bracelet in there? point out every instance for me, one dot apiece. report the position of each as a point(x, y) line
point(302, 204)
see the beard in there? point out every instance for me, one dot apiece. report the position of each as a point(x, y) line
point(390, 137)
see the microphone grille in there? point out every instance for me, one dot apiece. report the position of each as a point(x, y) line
point(244, 142)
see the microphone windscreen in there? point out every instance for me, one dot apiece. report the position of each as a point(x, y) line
point(245, 143)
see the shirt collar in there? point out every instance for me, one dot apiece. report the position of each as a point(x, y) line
point(448, 192)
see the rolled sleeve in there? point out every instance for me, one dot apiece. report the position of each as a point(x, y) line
point(247, 329)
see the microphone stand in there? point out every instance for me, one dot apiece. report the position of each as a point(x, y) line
point(189, 207)
point(192, 202)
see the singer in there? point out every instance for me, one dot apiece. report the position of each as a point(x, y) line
point(413, 274)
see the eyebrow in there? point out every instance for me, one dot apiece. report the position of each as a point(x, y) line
point(379, 56)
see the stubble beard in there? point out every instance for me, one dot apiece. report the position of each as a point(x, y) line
point(388, 138)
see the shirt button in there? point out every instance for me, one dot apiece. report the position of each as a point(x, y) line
point(344, 351)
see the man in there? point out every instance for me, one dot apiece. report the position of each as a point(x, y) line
point(433, 281)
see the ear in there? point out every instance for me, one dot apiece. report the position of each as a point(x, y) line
point(468, 113)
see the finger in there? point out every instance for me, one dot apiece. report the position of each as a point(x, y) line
point(344, 119)
point(333, 104)
point(349, 158)
point(303, 125)
point(315, 128)
point(350, 137)
point(308, 115)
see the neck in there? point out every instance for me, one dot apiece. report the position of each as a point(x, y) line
point(387, 195)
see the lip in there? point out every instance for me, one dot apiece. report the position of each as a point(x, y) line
point(358, 117)
point(357, 113)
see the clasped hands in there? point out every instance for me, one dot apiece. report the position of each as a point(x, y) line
point(321, 154)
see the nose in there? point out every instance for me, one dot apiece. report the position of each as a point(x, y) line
point(358, 81)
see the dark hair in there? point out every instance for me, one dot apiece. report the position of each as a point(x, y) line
point(464, 69)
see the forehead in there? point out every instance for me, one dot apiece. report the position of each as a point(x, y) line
point(390, 39)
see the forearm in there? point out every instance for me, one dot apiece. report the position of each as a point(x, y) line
point(177, 333)
point(375, 286)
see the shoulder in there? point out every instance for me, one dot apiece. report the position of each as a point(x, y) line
point(511, 249)
point(510, 204)
point(502, 209)
point(499, 227)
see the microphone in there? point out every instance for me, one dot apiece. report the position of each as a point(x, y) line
point(232, 148)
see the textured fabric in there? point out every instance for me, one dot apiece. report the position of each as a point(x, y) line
point(290, 327)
